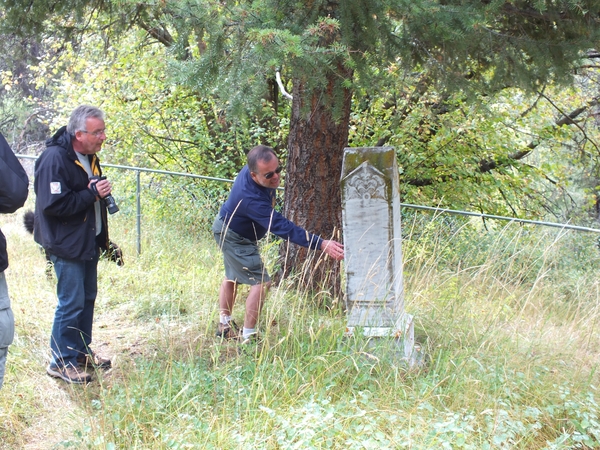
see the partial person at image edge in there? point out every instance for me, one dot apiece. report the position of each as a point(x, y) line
point(14, 188)
point(246, 217)
point(71, 224)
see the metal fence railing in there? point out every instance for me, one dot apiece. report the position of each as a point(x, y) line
point(138, 195)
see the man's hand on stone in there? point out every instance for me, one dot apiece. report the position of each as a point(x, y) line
point(333, 249)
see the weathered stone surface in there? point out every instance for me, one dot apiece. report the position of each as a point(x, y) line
point(372, 237)
point(373, 246)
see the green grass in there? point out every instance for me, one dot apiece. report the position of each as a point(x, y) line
point(508, 319)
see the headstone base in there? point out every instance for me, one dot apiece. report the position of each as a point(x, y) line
point(403, 333)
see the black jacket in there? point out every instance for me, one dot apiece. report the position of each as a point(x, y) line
point(14, 188)
point(65, 221)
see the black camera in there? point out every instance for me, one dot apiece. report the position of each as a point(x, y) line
point(109, 200)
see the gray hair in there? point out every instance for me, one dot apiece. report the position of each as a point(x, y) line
point(80, 115)
point(259, 153)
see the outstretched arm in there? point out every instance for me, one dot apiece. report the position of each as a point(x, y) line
point(333, 249)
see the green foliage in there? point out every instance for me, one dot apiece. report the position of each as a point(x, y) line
point(497, 44)
point(443, 141)
point(152, 122)
point(503, 154)
point(31, 17)
point(234, 51)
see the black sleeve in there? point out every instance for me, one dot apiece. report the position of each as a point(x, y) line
point(14, 184)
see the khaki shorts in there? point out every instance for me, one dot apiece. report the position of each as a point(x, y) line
point(243, 263)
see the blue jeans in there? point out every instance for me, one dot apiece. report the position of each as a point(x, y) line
point(76, 290)
point(7, 325)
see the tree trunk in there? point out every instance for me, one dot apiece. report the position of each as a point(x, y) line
point(312, 187)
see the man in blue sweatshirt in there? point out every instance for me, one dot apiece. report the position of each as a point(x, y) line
point(244, 219)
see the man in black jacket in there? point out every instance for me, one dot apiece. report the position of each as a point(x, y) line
point(14, 187)
point(71, 225)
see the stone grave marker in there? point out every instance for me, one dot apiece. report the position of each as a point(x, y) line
point(373, 247)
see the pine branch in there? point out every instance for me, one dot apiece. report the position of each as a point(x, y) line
point(420, 89)
point(161, 34)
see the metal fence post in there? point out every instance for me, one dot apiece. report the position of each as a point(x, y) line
point(138, 194)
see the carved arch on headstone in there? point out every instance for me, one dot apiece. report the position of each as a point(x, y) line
point(365, 183)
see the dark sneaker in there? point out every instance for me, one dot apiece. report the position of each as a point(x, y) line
point(94, 360)
point(229, 331)
point(70, 374)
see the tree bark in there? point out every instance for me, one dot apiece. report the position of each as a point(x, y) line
point(316, 145)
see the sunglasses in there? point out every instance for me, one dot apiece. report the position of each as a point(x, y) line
point(270, 175)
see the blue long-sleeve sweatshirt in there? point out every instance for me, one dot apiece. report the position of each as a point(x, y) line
point(249, 211)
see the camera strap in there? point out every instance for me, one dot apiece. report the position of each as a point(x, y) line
point(87, 166)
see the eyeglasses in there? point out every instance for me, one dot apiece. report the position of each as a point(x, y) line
point(270, 175)
point(95, 133)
